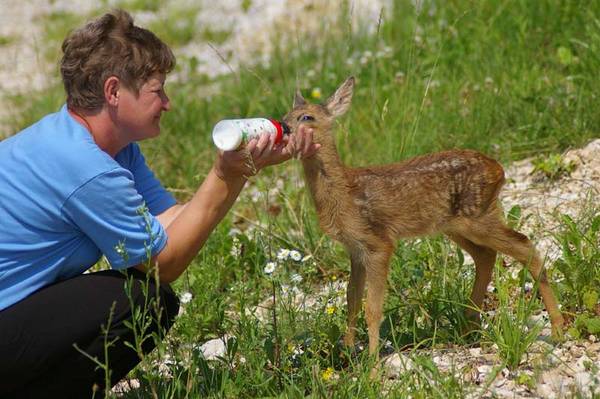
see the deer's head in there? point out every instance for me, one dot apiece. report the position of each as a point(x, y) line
point(320, 117)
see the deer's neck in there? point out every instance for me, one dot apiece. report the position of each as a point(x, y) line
point(326, 178)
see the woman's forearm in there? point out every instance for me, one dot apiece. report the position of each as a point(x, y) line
point(194, 221)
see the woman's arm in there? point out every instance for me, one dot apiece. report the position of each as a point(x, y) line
point(190, 229)
point(167, 217)
point(188, 226)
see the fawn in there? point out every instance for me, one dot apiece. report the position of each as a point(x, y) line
point(367, 209)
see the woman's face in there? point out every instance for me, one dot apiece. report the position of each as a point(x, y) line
point(139, 116)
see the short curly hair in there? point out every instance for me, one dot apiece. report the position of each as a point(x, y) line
point(110, 45)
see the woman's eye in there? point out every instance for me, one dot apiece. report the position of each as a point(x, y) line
point(306, 118)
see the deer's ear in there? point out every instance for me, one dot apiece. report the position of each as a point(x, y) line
point(298, 99)
point(340, 101)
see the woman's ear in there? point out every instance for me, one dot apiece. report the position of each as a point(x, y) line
point(112, 86)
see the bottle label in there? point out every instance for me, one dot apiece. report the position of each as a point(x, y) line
point(228, 134)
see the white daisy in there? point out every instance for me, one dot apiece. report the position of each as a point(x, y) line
point(295, 255)
point(185, 297)
point(283, 254)
point(270, 267)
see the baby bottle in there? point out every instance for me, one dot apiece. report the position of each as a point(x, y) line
point(229, 134)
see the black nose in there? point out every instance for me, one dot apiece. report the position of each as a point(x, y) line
point(286, 128)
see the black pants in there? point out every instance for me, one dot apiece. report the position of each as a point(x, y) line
point(38, 358)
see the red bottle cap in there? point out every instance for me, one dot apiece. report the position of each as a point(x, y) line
point(279, 128)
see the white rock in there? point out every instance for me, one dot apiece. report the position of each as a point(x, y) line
point(542, 347)
point(504, 393)
point(583, 363)
point(593, 348)
point(214, 348)
point(558, 382)
point(397, 364)
point(482, 373)
point(583, 381)
point(555, 358)
point(568, 344)
point(475, 352)
point(443, 362)
point(545, 391)
point(577, 351)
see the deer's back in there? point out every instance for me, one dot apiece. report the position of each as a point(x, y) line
point(420, 195)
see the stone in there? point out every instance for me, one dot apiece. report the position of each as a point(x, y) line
point(215, 348)
point(443, 362)
point(559, 383)
point(582, 382)
point(545, 391)
point(475, 352)
point(504, 393)
point(397, 364)
point(583, 363)
point(540, 347)
point(482, 373)
point(593, 348)
point(577, 351)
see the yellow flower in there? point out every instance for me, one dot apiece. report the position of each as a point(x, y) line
point(330, 309)
point(327, 374)
point(316, 93)
point(333, 278)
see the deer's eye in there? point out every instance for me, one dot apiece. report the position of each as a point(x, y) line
point(304, 118)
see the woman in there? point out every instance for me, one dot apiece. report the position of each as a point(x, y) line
point(73, 187)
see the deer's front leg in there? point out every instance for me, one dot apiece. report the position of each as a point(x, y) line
point(354, 294)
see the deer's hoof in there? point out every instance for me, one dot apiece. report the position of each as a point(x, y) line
point(472, 327)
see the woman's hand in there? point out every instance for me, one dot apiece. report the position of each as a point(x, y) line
point(262, 152)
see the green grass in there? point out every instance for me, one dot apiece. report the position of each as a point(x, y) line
point(6, 40)
point(510, 78)
point(56, 26)
point(140, 5)
point(177, 27)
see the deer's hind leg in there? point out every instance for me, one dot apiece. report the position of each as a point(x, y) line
point(490, 231)
point(354, 293)
point(485, 259)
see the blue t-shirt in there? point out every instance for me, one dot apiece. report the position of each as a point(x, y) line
point(64, 203)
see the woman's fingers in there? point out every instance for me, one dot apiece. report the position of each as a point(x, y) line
point(265, 143)
point(308, 142)
point(304, 145)
point(300, 139)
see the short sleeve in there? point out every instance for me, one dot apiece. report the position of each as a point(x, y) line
point(154, 194)
point(109, 211)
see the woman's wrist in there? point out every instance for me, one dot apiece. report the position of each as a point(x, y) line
point(227, 176)
point(234, 165)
